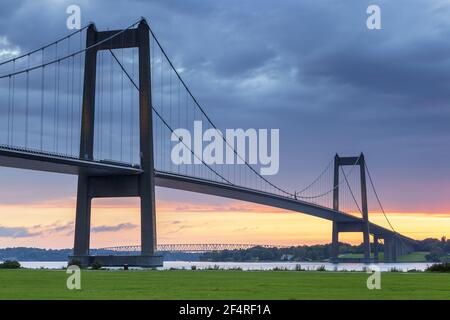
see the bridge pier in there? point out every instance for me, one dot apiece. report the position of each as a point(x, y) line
point(82, 218)
point(390, 251)
point(376, 248)
point(394, 246)
point(335, 243)
point(340, 227)
point(140, 185)
point(350, 227)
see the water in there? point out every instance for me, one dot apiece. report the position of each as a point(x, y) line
point(253, 265)
point(43, 264)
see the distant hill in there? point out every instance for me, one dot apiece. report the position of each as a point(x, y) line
point(37, 254)
point(436, 250)
point(34, 254)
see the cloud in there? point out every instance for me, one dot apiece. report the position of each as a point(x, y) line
point(57, 228)
point(17, 232)
point(225, 206)
point(114, 228)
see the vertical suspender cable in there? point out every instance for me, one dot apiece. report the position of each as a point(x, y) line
point(102, 95)
point(162, 111)
point(187, 122)
point(13, 103)
point(66, 129)
point(121, 115)
point(57, 105)
point(100, 106)
point(132, 109)
point(9, 112)
point(170, 113)
point(27, 102)
point(80, 90)
point(179, 114)
point(56, 100)
point(111, 101)
point(42, 103)
point(152, 71)
point(72, 105)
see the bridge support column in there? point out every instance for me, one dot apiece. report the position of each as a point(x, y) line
point(142, 185)
point(335, 236)
point(83, 210)
point(335, 243)
point(364, 208)
point(376, 248)
point(394, 249)
point(83, 218)
point(147, 179)
point(343, 227)
point(390, 249)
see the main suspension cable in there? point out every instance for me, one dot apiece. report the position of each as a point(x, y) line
point(351, 191)
point(209, 119)
point(45, 46)
point(334, 187)
point(378, 199)
point(317, 179)
point(165, 122)
point(71, 54)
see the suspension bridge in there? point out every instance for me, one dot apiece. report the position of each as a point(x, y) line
point(104, 105)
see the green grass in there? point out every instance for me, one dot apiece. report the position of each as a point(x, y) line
point(51, 284)
point(413, 257)
point(352, 255)
point(410, 257)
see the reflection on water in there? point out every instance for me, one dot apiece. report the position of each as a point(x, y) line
point(253, 265)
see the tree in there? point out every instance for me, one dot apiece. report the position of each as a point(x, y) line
point(435, 254)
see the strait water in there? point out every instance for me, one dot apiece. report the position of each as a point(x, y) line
point(252, 265)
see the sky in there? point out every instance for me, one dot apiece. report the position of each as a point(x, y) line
point(311, 69)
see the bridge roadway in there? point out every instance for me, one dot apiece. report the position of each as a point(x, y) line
point(42, 161)
point(180, 182)
point(59, 163)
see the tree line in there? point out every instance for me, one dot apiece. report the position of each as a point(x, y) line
point(439, 250)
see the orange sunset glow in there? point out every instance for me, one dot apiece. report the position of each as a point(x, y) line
point(116, 222)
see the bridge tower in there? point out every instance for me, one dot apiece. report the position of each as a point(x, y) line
point(141, 185)
point(350, 227)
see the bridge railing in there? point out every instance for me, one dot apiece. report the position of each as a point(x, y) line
point(192, 247)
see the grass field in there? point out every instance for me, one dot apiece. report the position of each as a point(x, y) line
point(51, 284)
point(418, 256)
point(413, 257)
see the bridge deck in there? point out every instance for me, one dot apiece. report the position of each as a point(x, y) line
point(34, 160)
point(174, 181)
point(40, 161)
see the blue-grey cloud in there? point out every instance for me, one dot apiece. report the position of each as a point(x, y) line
point(17, 232)
point(114, 228)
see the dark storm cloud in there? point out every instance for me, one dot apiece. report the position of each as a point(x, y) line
point(10, 8)
point(310, 68)
point(405, 71)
